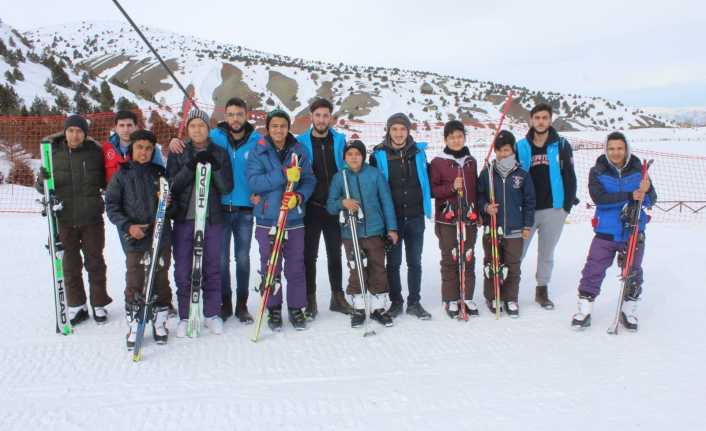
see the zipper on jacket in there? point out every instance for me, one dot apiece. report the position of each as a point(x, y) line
point(323, 155)
point(362, 205)
point(504, 207)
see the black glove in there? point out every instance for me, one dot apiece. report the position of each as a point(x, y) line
point(207, 157)
point(43, 174)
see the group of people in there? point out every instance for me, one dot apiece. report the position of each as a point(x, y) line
point(529, 188)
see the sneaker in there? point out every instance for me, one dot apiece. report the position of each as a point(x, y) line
point(274, 319)
point(181, 328)
point(382, 317)
point(78, 314)
point(512, 309)
point(160, 333)
point(451, 309)
point(357, 318)
point(297, 318)
point(100, 315)
point(242, 313)
point(418, 311)
point(582, 319)
point(395, 308)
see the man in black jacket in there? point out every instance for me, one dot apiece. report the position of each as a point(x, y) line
point(79, 177)
point(131, 204)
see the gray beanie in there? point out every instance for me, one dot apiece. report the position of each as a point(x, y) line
point(399, 118)
point(76, 121)
point(197, 113)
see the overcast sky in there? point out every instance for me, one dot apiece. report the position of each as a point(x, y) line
point(650, 53)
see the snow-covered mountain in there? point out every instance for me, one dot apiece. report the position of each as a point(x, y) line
point(216, 71)
point(38, 81)
point(685, 117)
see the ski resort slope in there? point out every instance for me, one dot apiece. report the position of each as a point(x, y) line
point(533, 373)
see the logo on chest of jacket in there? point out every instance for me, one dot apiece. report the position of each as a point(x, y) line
point(517, 181)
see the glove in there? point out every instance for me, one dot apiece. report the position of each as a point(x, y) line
point(294, 174)
point(43, 174)
point(290, 200)
point(207, 157)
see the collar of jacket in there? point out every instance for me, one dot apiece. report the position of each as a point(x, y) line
point(553, 135)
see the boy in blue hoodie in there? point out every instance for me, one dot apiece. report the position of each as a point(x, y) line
point(514, 211)
point(370, 195)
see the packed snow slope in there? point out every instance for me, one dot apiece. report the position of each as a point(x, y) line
point(533, 373)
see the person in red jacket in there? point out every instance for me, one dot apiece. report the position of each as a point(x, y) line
point(115, 149)
point(453, 176)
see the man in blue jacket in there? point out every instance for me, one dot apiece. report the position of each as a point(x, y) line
point(615, 184)
point(269, 169)
point(238, 137)
point(324, 146)
point(403, 162)
point(549, 160)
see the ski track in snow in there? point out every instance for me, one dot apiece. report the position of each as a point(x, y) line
point(533, 373)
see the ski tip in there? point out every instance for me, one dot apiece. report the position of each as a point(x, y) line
point(369, 334)
point(67, 330)
point(137, 357)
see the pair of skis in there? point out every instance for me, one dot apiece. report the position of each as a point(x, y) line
point(352, 219)
point(630, 254)
point(493, 230)
point(51, 205)
point(461, 255)
point(270, 280)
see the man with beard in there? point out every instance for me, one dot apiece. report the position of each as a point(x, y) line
point(324, 147)
point(549, 160)
point(238, 137)
point(403, 162)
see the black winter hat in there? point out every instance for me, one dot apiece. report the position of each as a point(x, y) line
point(399, 118)
point(355, 145)
point(505, 138)
point(453, 126)
point(76, 121)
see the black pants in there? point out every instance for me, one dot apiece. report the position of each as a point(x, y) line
point(316, 221)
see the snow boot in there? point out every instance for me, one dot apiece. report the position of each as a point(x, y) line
point(182, 327)
point(418, 311)
point(226, 308)
point(131, 319)
point(512, 309)
point(490, 303)
point(471, 308)
point(339, 303)
point(78, 314)
point(541, 297)
point(241, 311)
point(628, 315)
point(395, 308)
point(160, 333)
point(312, 310)
point(274, 318)
point(100, 315)
point(451, 308)
point(297, 318)
point(582, 319)
point(214, 324)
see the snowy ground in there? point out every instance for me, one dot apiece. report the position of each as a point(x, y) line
point(533, 373)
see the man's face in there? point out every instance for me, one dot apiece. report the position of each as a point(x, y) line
point(354, 160)
point(541, 121)
point(617, 152)
point(197, 131)
point(321, 119)
point(456, 140)
point(504, 152)
point(236, 117)
point(124, 128)
point(278, 130)
point(398, 135)
point(142, 151)
point(74, 136)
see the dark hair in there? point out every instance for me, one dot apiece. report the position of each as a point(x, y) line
point(453, 126)
point(617, 136)
point(541, 107)
point(277, 113)
point(504, 138)
point(125, 115)
point(320, 103)
point(143, 135)
point(237, 101)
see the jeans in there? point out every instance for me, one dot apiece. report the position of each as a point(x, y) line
point(237, 226)
point(411, 233)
